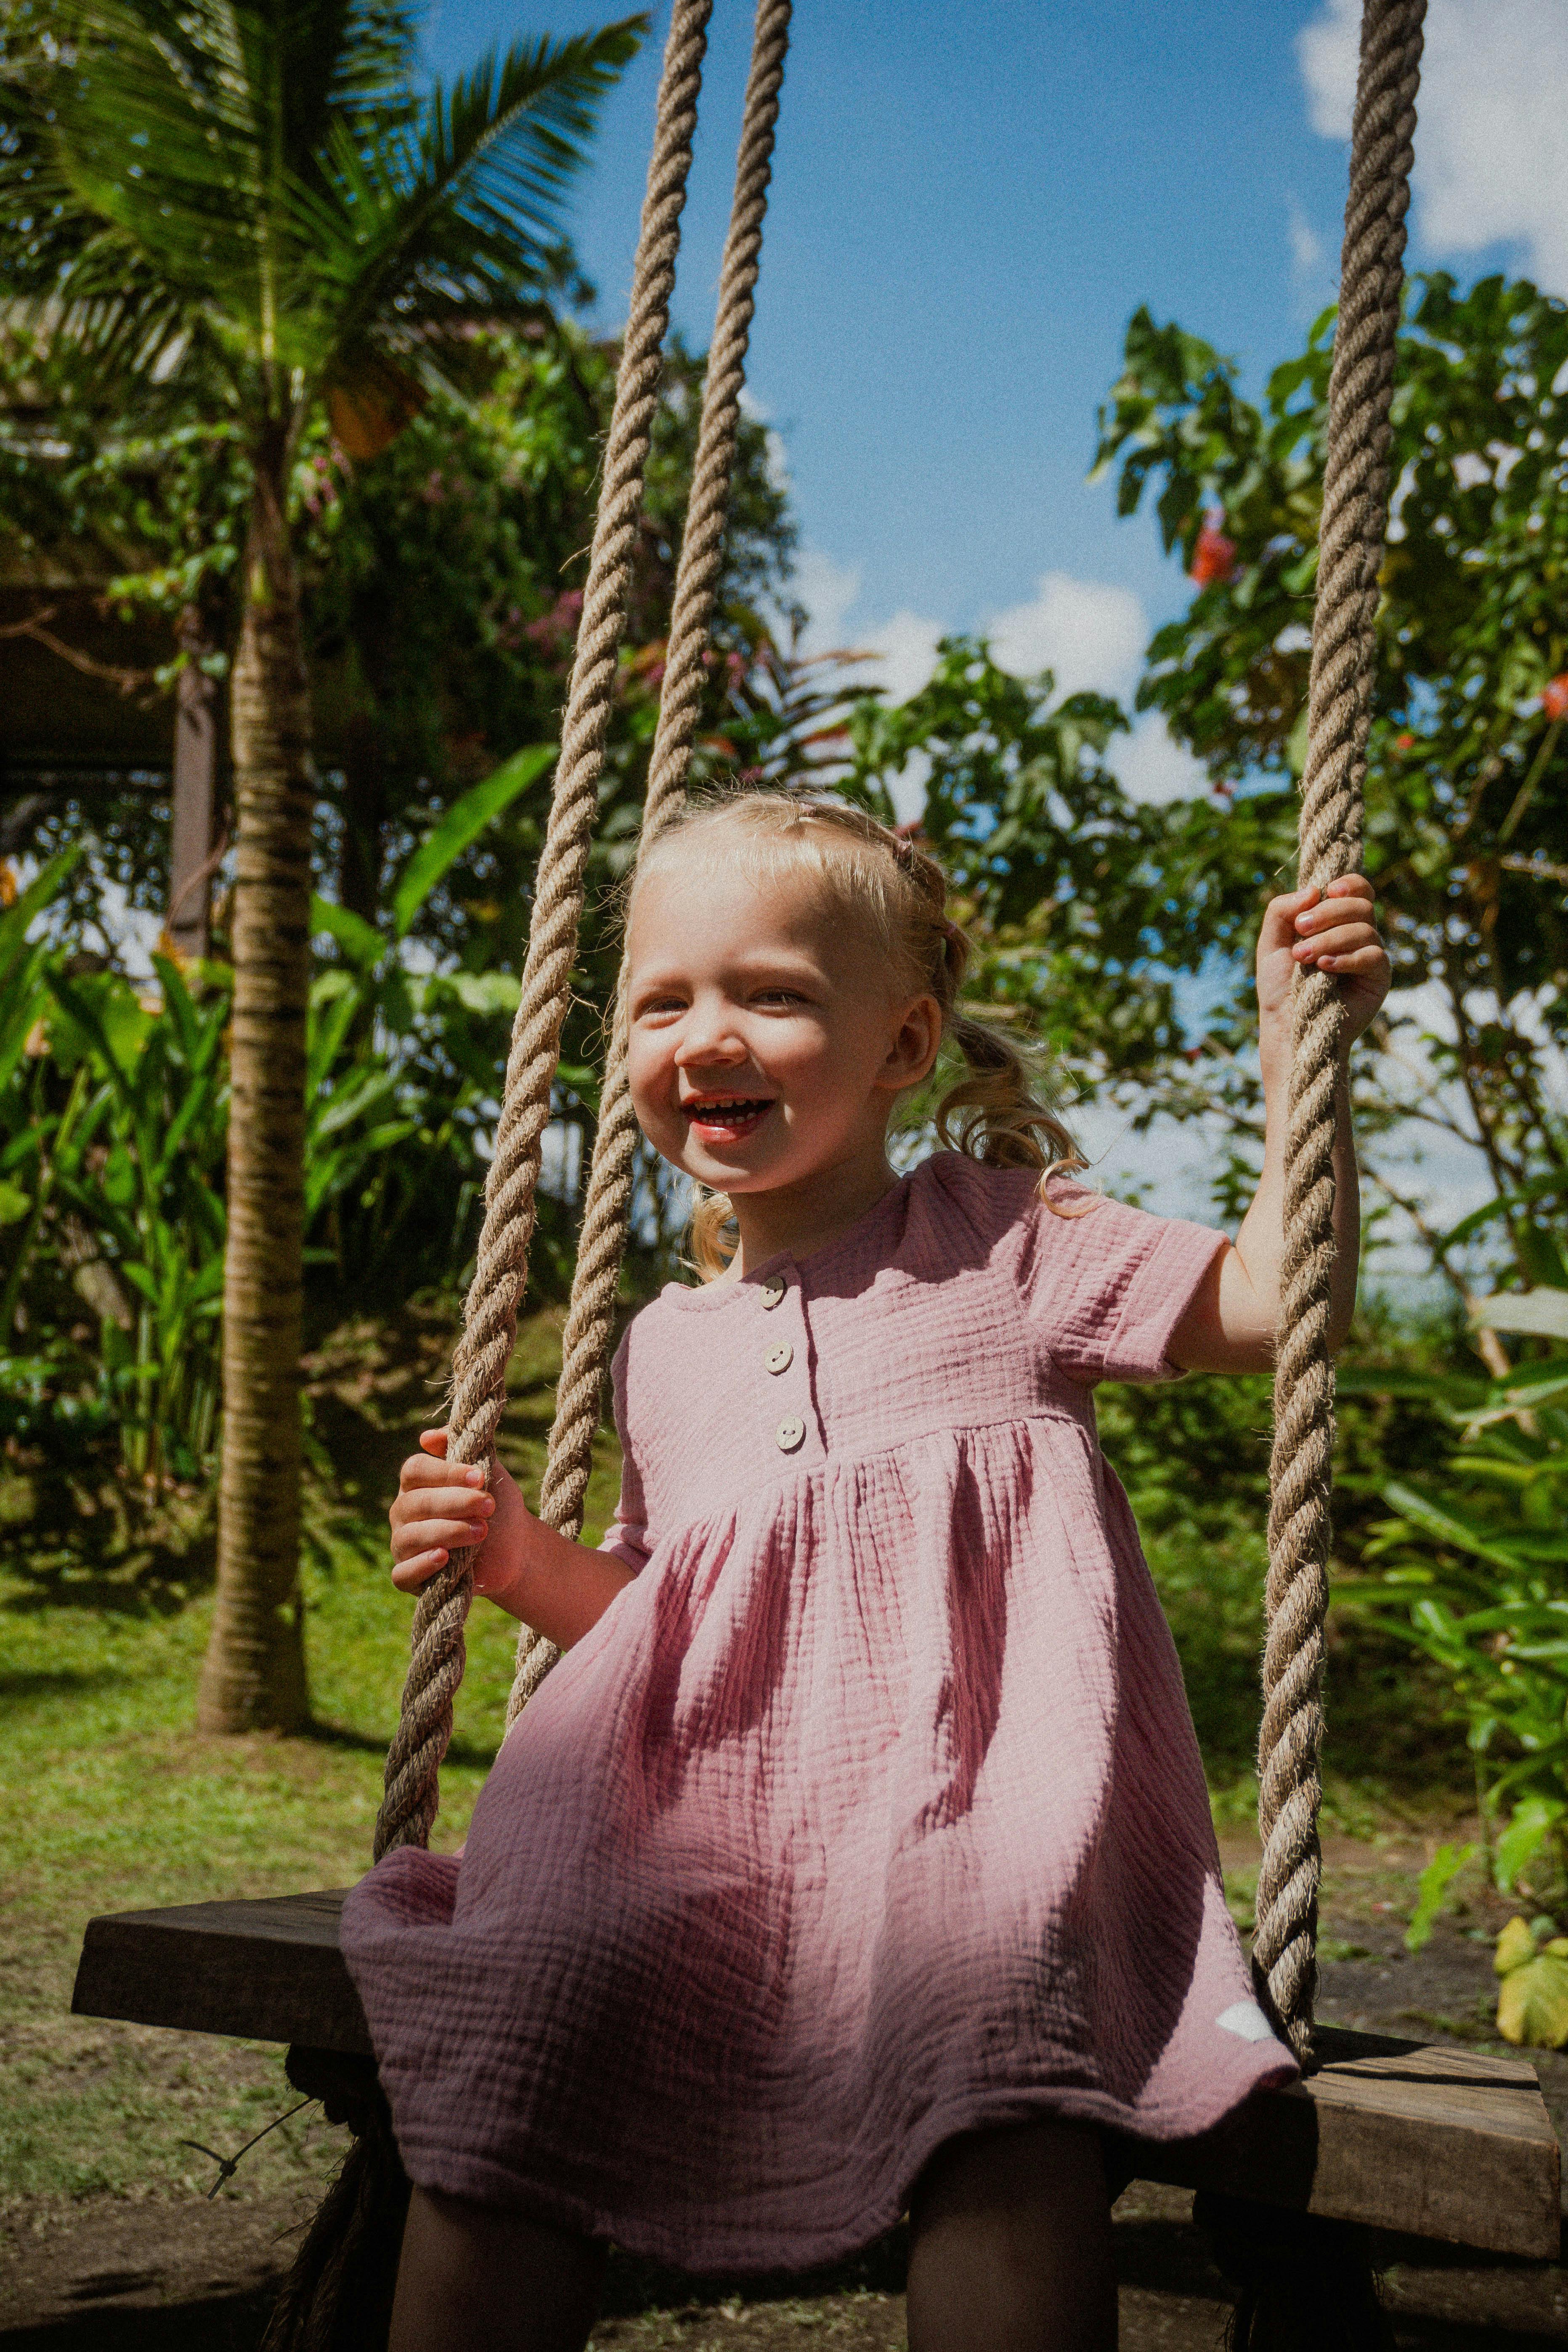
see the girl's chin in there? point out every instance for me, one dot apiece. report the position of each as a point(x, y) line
point(727, 1171)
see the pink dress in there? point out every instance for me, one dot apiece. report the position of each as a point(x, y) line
point(871, 1811)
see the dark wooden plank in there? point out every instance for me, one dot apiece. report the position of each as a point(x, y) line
point(268, 1970)
point(1427, 2141)
point(1401, 2135)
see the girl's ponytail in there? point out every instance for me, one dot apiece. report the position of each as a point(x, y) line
point(714, 1238)
point(1003, 1120)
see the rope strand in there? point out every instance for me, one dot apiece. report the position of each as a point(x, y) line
point(606, 1213)
point(1344, 654)
point(478, 1367)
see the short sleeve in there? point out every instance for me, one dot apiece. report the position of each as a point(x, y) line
point(627, 1538)
point(1106, 1284)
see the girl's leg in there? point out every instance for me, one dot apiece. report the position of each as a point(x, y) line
point(1010, 2244)
point(475, 2279)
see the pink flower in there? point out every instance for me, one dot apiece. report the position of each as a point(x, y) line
point(1214, 555)
point(1554, 696)
point(560, 622)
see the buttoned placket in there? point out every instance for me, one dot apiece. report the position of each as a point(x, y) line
point(782, 1342)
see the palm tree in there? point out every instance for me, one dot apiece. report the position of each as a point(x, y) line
point(254, 189)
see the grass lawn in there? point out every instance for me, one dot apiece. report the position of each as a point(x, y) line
point(111, 1801)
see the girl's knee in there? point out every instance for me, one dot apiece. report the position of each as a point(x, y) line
point(475, 2276)
point(1013, 2168)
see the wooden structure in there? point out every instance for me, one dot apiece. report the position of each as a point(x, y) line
point(1398, 2136)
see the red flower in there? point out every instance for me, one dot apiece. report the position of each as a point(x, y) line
point(1403, 743)
point(1214, 555)
point(1554, 696)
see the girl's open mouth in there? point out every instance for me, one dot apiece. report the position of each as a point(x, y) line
point(725, 1123)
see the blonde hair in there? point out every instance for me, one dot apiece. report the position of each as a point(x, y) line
point(895, 889)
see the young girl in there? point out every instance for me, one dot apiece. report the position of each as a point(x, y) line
point(856, 1857)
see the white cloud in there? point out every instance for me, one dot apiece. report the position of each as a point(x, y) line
point(1150, 767)
point(777, 454)
point(826, 589)
point(905, 648)
point(1088, 634)
point(1326, 50)
point(1306, 245)
point(1491, 142)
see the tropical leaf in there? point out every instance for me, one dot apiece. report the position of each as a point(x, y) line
point(1543, 1314)
point(461, 825)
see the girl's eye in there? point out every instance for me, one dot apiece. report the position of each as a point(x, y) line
point(778, 996)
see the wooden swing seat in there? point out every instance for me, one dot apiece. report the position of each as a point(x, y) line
point(1399, 2136)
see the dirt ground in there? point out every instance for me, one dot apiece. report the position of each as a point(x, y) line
point(114, 2274)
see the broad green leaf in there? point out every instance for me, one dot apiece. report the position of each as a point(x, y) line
point(14, 1202)
point(462, 825)
point(1449, 1525)
point(360, 941)
point(1539, 1188)
point(1542, 1313)
point(1515, 1946)
point(1433, 1891)
point(1533, 2004)
point(45, 886)
point(1533, 1820)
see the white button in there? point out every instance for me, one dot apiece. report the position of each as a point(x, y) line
point(773, 1289)
point(790, 1434)
point(780, 1358)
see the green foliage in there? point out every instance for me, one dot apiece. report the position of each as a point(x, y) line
point(113, 1122)
point(258, 189)
point(1472, 1570)
point(1533, 1998)
point(1433, 1892)
point(1467, 783)
point(1086, 907)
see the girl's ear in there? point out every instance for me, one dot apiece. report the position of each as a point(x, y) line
point(915, 1044)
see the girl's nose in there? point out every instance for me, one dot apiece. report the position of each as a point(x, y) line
point(709, 1035)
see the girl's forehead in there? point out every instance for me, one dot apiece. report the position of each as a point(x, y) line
point(689, 902)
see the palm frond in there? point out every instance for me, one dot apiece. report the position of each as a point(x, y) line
point(461, 214)
point(261, 176)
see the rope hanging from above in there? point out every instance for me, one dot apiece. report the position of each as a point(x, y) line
point(1344, 656)
point(606, 1209)
point(489, 1316)
point(479, 1373)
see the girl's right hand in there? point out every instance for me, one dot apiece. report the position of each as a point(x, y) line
point(442, 1509)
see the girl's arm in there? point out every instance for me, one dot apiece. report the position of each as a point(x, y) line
point(1231, 1323)
point(560, 1587)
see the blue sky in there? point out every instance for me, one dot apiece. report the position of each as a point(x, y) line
point(968, 203)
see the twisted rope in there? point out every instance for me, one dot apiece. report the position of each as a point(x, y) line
point(490, 1323)
point(606, 1213)
point(1351, 539)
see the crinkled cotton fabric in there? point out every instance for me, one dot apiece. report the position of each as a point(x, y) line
point(871, 1811)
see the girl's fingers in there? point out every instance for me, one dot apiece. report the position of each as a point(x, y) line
point(420, 1470)
point(1326, 912)
point(1348, 940)
point(431, 1502)
point(410, 1574)
point(1359, 959)
point(434, 1441)
point(421, 1534)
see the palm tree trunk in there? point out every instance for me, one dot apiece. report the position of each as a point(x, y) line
point(253, 1676)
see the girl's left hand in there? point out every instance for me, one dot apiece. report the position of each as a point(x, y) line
point(1334, 930)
